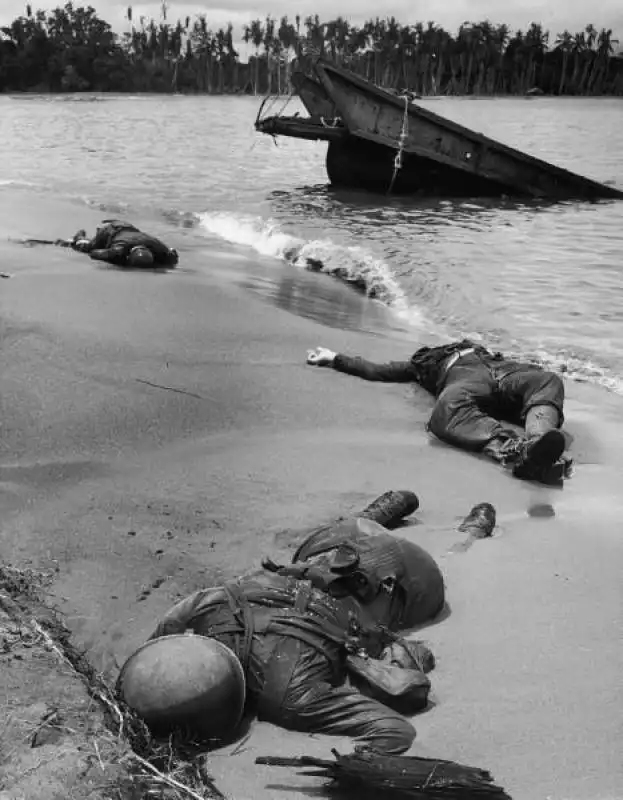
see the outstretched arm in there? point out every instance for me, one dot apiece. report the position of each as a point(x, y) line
point(295, 701)
point(391, 371)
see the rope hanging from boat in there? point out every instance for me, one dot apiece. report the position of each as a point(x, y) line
point(401, 145)
point(267, 104)
point(286, 104)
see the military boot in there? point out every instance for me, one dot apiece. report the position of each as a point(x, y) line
point(480, 521)
point(391, 507)
point(540, 460)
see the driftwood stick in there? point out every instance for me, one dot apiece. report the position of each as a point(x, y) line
point(169, 388)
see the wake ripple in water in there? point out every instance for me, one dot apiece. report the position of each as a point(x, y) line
point(374, 276)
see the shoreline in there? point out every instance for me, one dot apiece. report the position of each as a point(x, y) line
point(322, 290)
point(243, 93)
point(139, 495)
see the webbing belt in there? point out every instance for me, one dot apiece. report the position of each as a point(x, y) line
point(455, 357)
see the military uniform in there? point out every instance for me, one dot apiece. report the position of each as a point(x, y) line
point(350, 585)
point(475, 391)
point(292, 642)
point(114, 241)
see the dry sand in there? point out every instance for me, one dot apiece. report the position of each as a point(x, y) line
point(162, 432)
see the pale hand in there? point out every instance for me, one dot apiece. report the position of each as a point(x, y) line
point(320, 357)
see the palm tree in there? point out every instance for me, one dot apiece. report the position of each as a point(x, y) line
point(389, 51)
point(314, 38)
point(485, 56)
point(71, 48)
point(269, 44)
point(288, 39)
point(342, 35)
point(204, 46)
point(588, 56)
point(330, 35)
point(469, 36)
point(578, 46)
point(605, 49)
point(536, 43)
point(254, 33)
point(564, 45)
point(356, 46)
point(501, 36)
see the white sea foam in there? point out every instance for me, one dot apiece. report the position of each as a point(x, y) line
point(371, 274)
point(352, 264)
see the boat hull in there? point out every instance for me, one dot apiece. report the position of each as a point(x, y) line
point(384, 143)
point(376, 116)
point(313, 96)
point(354, 163)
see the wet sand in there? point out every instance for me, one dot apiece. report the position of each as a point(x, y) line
point(161, 432)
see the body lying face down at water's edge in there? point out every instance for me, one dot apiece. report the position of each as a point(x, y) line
point(301, 630)
point(121, 243)
point(476, 391)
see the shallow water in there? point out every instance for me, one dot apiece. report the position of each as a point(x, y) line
point(543, 280)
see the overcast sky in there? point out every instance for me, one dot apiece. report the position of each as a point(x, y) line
point(555, 15)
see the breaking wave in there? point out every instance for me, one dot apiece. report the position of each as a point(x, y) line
point(352, 264)
point(373, 276)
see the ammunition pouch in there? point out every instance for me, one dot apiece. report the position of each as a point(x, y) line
point(339, 575)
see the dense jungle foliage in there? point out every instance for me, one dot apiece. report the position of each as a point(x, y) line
point(72, 49)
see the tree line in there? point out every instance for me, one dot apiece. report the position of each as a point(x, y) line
point(72, 49)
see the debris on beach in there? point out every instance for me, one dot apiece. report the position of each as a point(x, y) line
point(366, 774)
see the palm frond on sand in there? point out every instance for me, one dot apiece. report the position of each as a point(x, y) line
point(366, 774)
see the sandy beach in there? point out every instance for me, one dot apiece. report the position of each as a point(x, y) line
point(161, 432)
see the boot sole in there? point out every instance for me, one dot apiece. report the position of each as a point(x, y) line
point(542, 454)
point(391, 507)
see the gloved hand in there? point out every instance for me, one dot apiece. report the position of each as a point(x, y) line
point(321, 357)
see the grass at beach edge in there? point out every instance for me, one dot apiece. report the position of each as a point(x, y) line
point(104, 751)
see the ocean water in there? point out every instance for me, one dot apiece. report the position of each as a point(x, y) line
point(538, 280)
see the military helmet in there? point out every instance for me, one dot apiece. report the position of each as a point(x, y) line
point(185, 681)
point(140, 256)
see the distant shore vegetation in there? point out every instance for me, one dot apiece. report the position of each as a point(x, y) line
point(72, 49)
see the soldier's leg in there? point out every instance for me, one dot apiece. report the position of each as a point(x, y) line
point(299, 695)
point(460, 414)
point(540, 395)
